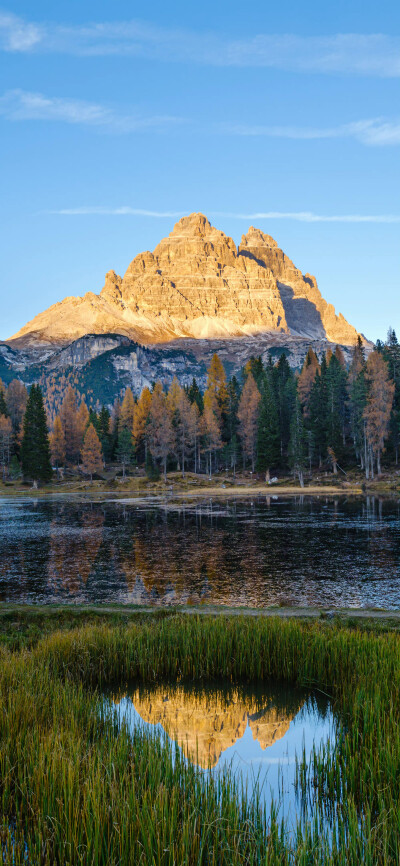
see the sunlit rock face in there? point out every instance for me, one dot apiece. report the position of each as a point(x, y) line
point(197, 284)
point(207, 723)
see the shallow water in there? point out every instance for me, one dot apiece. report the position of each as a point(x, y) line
point(255, 732)
point(297, 551)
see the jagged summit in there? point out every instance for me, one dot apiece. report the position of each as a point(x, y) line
point(197, 284)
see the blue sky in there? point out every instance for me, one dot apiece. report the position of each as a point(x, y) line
point(285, 116)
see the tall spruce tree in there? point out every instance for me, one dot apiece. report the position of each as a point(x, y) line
point(104, 433)
point(297, 443)
point(335, 409)
point(35, 451)
point(3, 404)
point(357, 389)
point(391, 354)
point(285, 390)
point(268, 438)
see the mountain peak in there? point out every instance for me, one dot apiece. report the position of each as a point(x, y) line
point(198, 284)
point(193, 224)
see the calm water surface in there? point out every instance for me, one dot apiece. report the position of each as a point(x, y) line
point(268, 551)
point(255, 732)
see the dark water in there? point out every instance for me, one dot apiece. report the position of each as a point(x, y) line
point(262, 552)
point(256, 732)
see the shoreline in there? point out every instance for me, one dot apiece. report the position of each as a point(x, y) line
point(325, 614)
point(169, 494)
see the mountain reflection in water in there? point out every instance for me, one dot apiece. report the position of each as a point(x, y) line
point(255, 731)
point(207, 722)
point(298, 551)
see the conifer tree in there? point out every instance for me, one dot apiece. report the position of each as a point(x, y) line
point(6, 436)
point(141, 415)
point(185, 428)
point(57, 443)
point(104, 432)
point(357, 390)
point(231, 448)
point(216, 383)
point(306, 379)
point(285, 390)
point(391, 353)
point(195, 396)
point(82, 423)
point(335, 407)
point(127, 410)
point(17, 397)
point(160, 429)
point(35, 450)
point(297, 443)
point(3, 404)
point(211, 427)
point(125, 450)
point(256, 368)
point(268, 438)
point(91, 454)
point(69, 420)
point(317, 425)
point(380, 392)
point(248, 411)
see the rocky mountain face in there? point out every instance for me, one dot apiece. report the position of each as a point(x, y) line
point(197, 284)
point(196, 294)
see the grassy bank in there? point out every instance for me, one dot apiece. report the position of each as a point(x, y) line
point(74, 789)
point(221, 484)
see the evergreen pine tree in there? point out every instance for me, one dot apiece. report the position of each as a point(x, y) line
point(317, 416)
point(195, 395)
point(297, 443)
point(3, 404)
point(35, 451)
point(335, 410)
point(392, 357)
point(104, 433)
point(284, 388)
point(268, 438)
point(125, 450)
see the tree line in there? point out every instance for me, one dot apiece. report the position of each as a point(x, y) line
point(271, 419)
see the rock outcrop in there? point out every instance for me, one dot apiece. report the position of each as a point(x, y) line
point(197, 284)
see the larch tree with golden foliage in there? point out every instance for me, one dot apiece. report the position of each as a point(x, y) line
point(216, 383)
point(141, 415)
point(211, 427)
point(92, 458)
point(380, 393)
point(160, 428)
point(248, 411)
point(186, 428)
point(17, 397)
point(126, 411)
point(82, 420)
point(69, 420)
point(57, 443)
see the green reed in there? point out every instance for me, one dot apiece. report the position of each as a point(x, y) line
point(75, 788)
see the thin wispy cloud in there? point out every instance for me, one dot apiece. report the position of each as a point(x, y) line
point(373, 132)
point(298, 216)
point(352, 53)
point(18, 105)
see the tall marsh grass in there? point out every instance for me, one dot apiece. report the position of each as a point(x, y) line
point(77, 789)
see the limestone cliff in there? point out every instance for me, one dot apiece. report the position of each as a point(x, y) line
point(197, 284)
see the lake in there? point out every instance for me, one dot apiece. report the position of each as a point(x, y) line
point(266, 551)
